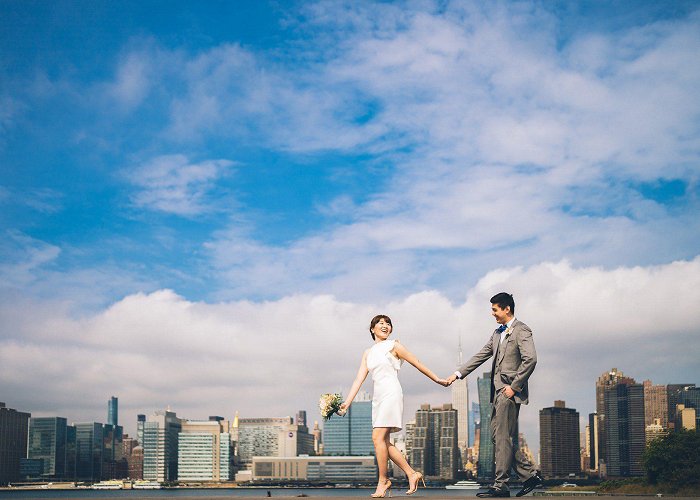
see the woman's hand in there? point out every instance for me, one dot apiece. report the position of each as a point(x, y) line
point(343, 409)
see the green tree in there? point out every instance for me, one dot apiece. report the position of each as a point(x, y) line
point(674, 459)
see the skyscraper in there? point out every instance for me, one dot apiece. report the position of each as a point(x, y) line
point(460, 402)
point(434, 448)
point(140, 422)
point(89, 451)
point(14, 429)
point(655, 404)
point(113, 411)
point(593, 434)
point(486, 467)
point(559, 441)
point(474, 417)
point(160, 443)
point(606, 380)
point(47, 442)
point(624, 429)
point(351, 434)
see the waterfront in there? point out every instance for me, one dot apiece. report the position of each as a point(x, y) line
point(205, 493)
point(279, 493)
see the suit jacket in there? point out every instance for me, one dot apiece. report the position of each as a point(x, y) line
point(513, 361)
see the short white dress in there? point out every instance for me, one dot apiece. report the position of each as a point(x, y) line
point(387, 400)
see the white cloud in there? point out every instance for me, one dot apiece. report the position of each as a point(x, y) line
point(272, 358)
point(132, 81)
point(173, 184)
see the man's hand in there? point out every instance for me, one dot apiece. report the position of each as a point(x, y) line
point(451, 379)
point(508, 391)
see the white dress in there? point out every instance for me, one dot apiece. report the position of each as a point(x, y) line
point(387, 400)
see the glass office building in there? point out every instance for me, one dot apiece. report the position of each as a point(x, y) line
point(113, 411)
point(486, 465)
point(88, 451)
point(47, 442)
point(350, 435)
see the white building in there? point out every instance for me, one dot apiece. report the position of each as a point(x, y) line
point(160, 444)
point(271, 437)
point(204, 451)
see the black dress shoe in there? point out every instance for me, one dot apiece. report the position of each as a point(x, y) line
point(493, 493)
point(533, 482)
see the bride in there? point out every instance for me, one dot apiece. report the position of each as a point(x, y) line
point(383, 360)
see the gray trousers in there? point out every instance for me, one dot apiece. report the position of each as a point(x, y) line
point(504, 431)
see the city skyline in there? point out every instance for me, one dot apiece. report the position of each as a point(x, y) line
point(203, 207)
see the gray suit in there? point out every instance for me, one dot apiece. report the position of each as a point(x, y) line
point(514, 361)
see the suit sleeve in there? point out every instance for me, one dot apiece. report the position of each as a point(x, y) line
point(528, 357)
point(485, 353)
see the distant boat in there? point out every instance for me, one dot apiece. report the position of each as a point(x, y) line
point(464, 485)
point(146, 485)
point(108, 485)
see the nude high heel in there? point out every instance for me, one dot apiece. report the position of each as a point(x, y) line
point(383, 494)
point(419, 478)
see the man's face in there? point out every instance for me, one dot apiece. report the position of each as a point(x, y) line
point(502, 315)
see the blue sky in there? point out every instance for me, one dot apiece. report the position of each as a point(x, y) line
point(245, 156)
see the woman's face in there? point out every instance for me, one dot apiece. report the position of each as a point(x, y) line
point(381, 330)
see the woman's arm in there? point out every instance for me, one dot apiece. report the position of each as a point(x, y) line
point(401, 352)
point(359, 379)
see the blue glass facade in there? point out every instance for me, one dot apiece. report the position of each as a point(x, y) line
point(88, 451)
point(113, 411)
point(47, 442)
point(474, 418)
point(486, 465)
point(352, 434)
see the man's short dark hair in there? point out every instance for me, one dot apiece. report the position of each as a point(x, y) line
point(504, 300)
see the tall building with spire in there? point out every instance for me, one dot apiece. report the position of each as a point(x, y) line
point(460, 402)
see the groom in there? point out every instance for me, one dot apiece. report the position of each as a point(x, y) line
point(514, 360)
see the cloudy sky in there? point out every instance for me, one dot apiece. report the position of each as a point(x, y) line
point(203, 204)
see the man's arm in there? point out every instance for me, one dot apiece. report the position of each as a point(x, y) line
point(528, 357)
point(485, 353)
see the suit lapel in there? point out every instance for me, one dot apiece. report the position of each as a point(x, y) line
point(495, 347)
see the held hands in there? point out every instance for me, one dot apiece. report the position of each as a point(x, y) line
point(446, 382)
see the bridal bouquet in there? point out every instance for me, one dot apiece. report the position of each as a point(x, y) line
point(330, 404)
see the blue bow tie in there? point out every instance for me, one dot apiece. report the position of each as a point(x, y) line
point(502, 328)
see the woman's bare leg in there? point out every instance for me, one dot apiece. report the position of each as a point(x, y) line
point(396, 457)
point(380, 436)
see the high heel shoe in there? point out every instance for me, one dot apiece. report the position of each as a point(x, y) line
point(419, 477)
point(386, 489)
